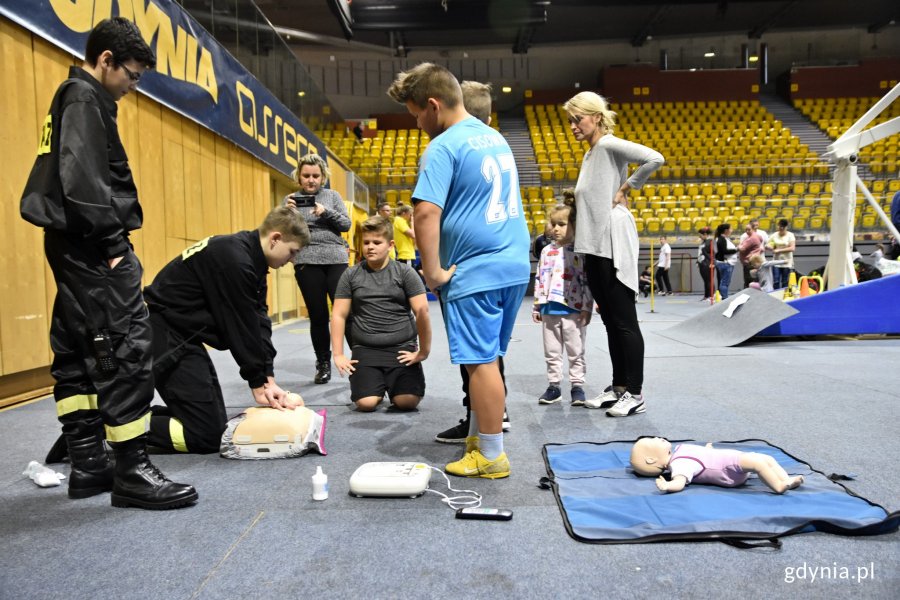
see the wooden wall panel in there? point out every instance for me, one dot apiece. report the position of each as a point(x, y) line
point(22, 285)
point(224, 188)
point(210, 200)
point(148, 154)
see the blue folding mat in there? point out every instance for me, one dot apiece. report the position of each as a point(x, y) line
point(603, 501)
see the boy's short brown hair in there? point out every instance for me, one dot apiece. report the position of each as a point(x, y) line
point(379, 225)
point(403, 209)
point(477, 99)
point(288, 222)
point(424, 81)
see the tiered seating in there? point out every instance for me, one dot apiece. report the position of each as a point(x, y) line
point(389, 159)
point(557, 152)
point(700, 140)
point(682, 209)
point(835, 115)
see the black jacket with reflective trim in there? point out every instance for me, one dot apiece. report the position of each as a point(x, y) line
point(215, 293)
point(81, 183)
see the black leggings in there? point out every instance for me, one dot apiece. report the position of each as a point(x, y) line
point(617, 310)
point(662, 277)
point(317, 284)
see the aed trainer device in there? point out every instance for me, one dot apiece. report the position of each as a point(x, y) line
point(486, 514)
point(390, 479)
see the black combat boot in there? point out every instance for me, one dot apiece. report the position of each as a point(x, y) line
point(139, 483)
point(92, 472)
point(323, 371)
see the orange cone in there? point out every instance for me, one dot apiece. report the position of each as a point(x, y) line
point(804, 287)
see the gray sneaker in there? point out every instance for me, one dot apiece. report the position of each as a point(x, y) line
point(627, 405)
point(607, 399)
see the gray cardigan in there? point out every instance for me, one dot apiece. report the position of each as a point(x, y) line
point(603, 170)
point(326, 246)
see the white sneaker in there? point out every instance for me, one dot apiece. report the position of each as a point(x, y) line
point(627, 405)
point(605, 400)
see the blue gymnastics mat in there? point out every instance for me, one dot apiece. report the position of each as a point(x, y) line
point(603, 501)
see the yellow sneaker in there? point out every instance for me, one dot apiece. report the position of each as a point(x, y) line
point(471, 443)
point(474, 464)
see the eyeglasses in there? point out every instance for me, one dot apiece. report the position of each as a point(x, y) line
point(134, 77)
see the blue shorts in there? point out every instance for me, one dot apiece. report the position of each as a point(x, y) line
point(479, 325)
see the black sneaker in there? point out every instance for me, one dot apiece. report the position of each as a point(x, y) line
point(455, 435)
point(506, 422)
point(551, 396)
point(323, 371)
point(577, 396)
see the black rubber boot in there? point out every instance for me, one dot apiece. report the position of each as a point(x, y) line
point(139, 483)
point(323, 371)
point(92, 472)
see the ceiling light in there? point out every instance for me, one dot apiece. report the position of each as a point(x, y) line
point(753, 58)
point(710, 54)
point(301, 93)
point(506, 89)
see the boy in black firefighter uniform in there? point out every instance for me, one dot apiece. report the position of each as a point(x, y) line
point(81, 192)
point(215, 293)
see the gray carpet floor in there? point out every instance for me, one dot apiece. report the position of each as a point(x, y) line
point(256, 532)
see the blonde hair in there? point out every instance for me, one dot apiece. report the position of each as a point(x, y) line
point(589, 103)
point(379, 225)
point(311, 160)
point(756, 261)
point(403, 209)
point(477, 99)
point(288, 222)
point(424, 81)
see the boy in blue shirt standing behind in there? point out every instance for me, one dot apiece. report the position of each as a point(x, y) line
point(474, 247)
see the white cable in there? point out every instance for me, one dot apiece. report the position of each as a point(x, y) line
point(473, 499)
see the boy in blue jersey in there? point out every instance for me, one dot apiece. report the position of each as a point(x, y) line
point(474, 247)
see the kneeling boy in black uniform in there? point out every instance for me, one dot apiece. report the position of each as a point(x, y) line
point(390, 310)
point(215, 293)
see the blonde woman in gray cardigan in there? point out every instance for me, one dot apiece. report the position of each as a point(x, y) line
point(608, 239)
point(319, 266)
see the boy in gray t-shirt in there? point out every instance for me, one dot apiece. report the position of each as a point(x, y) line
point(390, 310)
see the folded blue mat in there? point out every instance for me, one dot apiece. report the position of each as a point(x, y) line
point(603, 501)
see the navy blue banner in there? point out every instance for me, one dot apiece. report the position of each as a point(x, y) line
point(194, 75)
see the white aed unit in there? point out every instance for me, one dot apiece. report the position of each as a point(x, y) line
point(390, 479)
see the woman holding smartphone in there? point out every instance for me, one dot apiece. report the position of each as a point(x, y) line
point(319, 266)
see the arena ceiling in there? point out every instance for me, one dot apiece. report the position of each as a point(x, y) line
point(401, 25)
